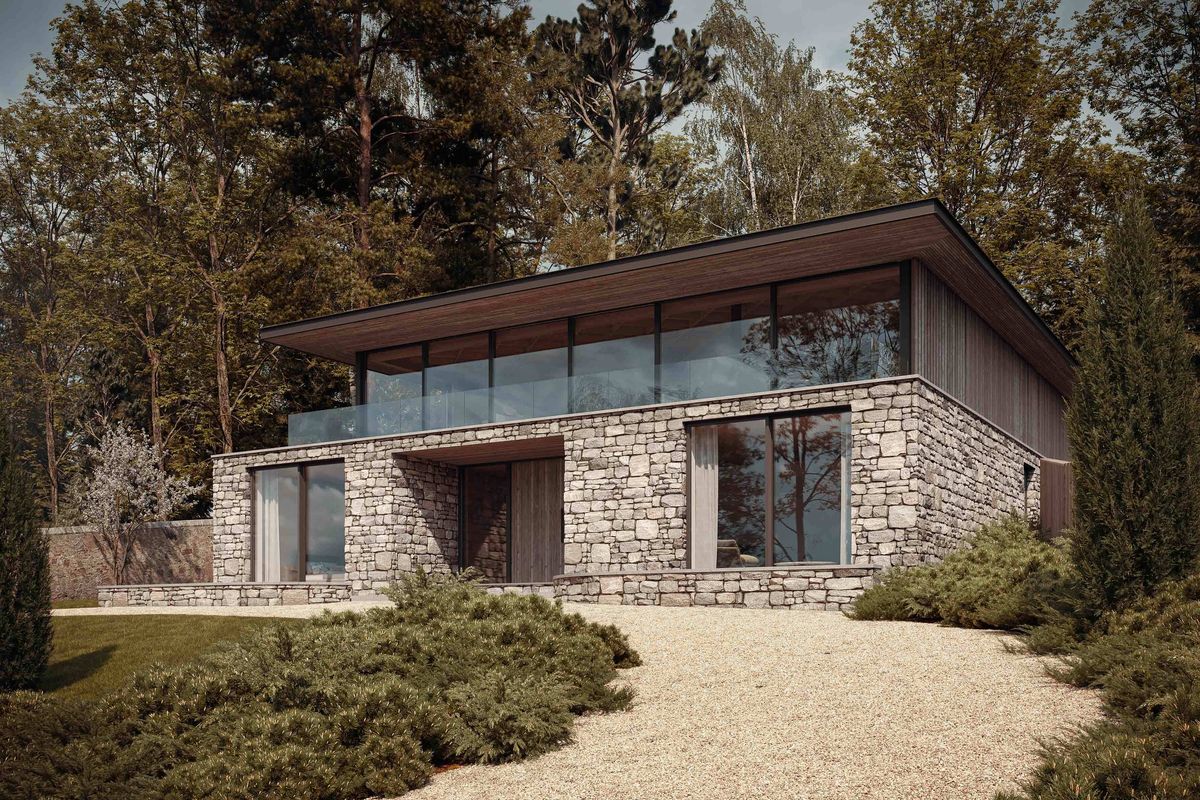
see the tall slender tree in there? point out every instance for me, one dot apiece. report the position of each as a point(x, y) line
point(1133, 425)
point(25, 632)
point(620, 88)
point(777, 129)
point(47, 206)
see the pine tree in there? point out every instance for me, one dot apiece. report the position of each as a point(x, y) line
point(1133, 426)
point(25, 634)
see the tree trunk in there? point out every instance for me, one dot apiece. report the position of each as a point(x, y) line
point(51, 450)
point(154, 360)
point(362, 103)
point(611, 218)
point(221, 357)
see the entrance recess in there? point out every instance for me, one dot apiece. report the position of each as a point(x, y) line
point(512, 520)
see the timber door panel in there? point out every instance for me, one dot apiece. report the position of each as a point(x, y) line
point(537, 506)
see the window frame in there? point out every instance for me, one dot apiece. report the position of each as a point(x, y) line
point(302, 509)
point(848, 544)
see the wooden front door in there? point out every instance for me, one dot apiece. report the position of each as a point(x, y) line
point(535, 542)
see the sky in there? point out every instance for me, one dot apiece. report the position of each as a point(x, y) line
point(824, 25)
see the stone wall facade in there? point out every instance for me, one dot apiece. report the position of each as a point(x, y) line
point(165, 552)
point(924, 472)
point(224, 594)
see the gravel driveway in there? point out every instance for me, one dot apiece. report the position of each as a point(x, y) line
point(739, 703)
point(802, 705)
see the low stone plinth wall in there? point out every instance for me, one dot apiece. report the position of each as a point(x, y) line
point(224, 594)
point(824, 588)
point(545, 590)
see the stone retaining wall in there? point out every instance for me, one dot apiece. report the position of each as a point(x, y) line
point(818, 588)
point(164, 552)
point(224, 594)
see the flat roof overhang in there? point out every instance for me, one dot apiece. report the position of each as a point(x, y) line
point(922, 230)
point(491, 452)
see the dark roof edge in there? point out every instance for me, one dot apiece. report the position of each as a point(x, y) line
point(973, 247)
point(803, 230)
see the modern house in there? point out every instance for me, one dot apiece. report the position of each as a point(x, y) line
point(763, 420)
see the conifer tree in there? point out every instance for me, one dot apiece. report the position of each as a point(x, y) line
point(25, 633)
point(1133, 427)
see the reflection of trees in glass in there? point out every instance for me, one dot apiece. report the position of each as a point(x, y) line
point(741, 490)
point(808, 468)
point(836, 345)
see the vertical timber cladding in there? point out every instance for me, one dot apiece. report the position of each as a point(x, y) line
point(954, 348)
point(536, 541)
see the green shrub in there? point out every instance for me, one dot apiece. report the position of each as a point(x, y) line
point(342, 706)
point(1146, 660)
point(25, 632)
point(1005, 579)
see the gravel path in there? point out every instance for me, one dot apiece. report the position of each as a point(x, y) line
point(802, 705)
point(739, 703)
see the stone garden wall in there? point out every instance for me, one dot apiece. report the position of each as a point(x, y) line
point(165, 552)
point(224, 594)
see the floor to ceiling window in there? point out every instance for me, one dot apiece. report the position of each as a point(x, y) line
point(613, 359)
point(299, 523)
point(771, 491)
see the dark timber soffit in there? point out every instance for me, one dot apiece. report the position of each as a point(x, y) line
point(923, 230)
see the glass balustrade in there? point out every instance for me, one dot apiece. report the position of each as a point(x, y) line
point(833, 329)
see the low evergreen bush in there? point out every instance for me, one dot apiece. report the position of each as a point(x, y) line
point(1146, 660)
point(1007, 578)
point(343, 706)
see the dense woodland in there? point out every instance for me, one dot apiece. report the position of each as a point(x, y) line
point(181, 172)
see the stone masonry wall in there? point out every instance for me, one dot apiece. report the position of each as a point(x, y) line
point(822, 588)
point(224, 594)
point(625, 479)
point(971, 473)
point(164, 552)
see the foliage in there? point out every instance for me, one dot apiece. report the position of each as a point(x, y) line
point(1132, 424)
point(981, 103)
point(619, 88)
point(1145, 67)
point(343, 705)
point(25, 633)
point(1146, 660)
point(126, 489)
point(777, 131)
point(1006, 579)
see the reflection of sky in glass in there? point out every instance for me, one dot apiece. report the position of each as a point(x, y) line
point(457, 394)
point(614, 373)
point(530, 384)
point(714, 360)
point(383, 388)
point(326, 518)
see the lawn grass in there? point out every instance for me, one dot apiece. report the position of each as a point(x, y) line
point(78, 603)
point(95, 654)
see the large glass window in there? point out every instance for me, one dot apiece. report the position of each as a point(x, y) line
point(456, 382)
point(781, 490)
point(741, 494)
point(808, 488)
point(717, 344)
point(838, 329)
point(394, 390)
point(300, 523)
point(529, 372)
point(613, 359)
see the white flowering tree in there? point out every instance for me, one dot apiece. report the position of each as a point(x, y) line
point(126, 489)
